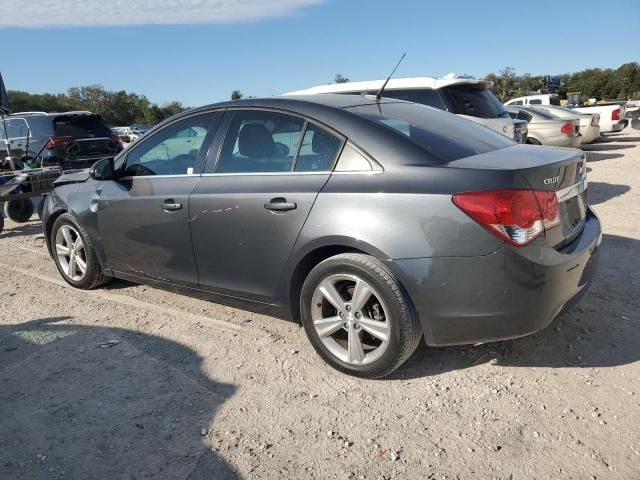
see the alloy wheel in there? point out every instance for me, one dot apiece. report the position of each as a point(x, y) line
point(350, 318)
point(71, 253)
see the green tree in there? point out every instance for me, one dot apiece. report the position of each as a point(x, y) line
point(340, 79)
point(236, 95)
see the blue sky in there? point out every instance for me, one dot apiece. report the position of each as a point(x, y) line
point(269, 47)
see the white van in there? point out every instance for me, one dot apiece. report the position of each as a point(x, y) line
point(541, 99)
point(469, 98)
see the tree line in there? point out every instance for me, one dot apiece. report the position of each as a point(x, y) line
point(117, 108)
point(623, 83)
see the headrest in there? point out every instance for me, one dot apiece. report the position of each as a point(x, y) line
point(255, 141)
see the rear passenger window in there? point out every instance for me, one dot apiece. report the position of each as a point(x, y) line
point(318, 151)
point(535, 101)
point(258, 142)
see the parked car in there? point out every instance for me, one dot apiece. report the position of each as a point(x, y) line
point(548, 129)
point(535, 99)
point(469, 98)
point(70, 140)
point(128, 132)
point(612, 115)
point(123, 137)
point(378, 223)
point(589, 122)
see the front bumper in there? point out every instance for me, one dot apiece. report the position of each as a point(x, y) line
point(510, 293)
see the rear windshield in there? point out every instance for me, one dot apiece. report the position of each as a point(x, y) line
point(473, 101)
point(90, 126)
point(445, 136)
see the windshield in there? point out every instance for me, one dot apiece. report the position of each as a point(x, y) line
point(444, 136)
point(472, 100)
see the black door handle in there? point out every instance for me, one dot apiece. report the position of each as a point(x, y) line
point(171, 206)
point(280, 205)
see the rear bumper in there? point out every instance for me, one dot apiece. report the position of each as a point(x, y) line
point(511, 293)
point(590, 134)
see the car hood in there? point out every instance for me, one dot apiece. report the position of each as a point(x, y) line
point(72, 176)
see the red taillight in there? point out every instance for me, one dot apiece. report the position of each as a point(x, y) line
point(517, 216)
point(566, 129)
point(615, 115)
point(54, 142)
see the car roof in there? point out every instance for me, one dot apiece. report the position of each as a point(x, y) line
point(394, 84)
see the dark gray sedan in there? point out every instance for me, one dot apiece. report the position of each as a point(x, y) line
point(377, 223)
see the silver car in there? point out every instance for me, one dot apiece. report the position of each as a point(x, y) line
point(589, 122)
point(548, 129)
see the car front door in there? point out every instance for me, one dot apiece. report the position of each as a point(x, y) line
point(144, 215)
point(254, 198)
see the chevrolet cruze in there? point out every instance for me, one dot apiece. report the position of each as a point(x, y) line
point(376, 222)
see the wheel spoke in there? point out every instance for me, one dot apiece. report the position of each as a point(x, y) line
point(71, 269)
point(356, 353)
point(78, 244)
point(376, 328)
point(62, 250)
point(361, 294)
point(331, 294)
point(81, 264)
point(66, 233)
point(327, 326)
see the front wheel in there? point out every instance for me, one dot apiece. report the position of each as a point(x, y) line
point(358, 317)
point(74, 254)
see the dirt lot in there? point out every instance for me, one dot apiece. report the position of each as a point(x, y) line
point(196, 390)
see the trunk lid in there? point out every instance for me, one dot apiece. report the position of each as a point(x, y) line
point(559, 170)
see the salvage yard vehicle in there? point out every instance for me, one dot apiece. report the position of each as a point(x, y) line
point(612, 115)
point(376, 222)
point(548, 129)
point(470, 98)
point(68, 140)
point(535, 99)
point(589, 122)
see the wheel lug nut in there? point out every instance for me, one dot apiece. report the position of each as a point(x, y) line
point(348, 308)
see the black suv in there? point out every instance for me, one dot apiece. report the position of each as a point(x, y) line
point(70, 140)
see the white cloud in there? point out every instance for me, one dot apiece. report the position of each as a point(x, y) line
point(98, 13)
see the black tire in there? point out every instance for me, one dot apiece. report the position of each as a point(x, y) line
point(93, 276)
point(1, 223)
point(405, 330)
point(20, 211)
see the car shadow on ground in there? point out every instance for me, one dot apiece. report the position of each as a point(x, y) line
point(618, 138)
point(33, 227)
point(91, 402)
point(601, 192)
point(604, 146)
point(597, 157)
point(589, 335)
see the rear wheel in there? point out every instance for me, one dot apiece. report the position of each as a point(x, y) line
point(358, 317)
point(74, 254)
point(19, 211)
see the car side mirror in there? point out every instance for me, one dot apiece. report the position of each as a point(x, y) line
point(102, 170)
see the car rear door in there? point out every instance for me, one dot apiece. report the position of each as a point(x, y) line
point(257, 191)
point(144, 215)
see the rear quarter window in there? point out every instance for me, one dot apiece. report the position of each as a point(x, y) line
point(81, 126)
point(443, 136)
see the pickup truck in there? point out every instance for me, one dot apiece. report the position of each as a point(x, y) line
point(612, 115)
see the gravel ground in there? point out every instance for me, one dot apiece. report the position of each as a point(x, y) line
point(134, 382)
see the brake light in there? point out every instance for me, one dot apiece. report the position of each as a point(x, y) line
point(516, 216)
point(55, 142)
point(615, 115)
point(566, 129)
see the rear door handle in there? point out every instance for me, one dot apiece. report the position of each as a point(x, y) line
point(171, 206)
point(280, 205)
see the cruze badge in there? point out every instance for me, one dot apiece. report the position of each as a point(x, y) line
point(549, 181)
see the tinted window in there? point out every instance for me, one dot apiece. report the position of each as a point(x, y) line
point(17, 128)
point(81, 126)
point(318, 151)
point(517, 102)
point(522, 115)
point(535, 101)
point(473, 101)
point(554, 99)
point(443, 136)
point(173, 150)
point(259, 141)
point(426, 96)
